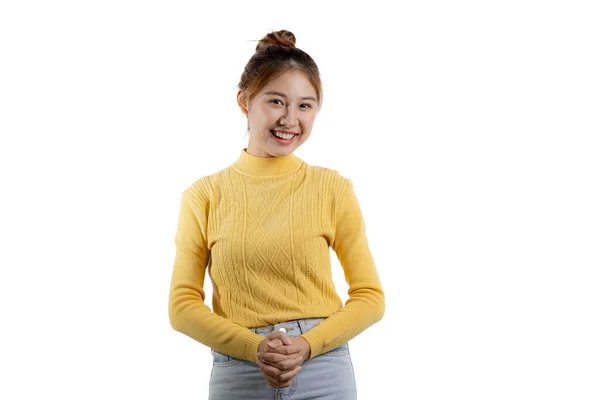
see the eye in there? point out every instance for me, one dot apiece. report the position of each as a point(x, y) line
point(304, 104)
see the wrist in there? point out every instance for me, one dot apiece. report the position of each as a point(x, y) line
point(306, 349)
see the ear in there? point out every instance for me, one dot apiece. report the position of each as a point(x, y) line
point(241, 99)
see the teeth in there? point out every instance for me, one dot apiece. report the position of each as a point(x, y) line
point(285, 136)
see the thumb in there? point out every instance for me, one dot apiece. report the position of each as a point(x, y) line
point(281, 335)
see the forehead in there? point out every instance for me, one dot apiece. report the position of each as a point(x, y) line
point(293, 83)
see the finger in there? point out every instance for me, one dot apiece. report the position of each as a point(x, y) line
point(285, 365)
point(274, 381)
point(277, 376)
point(270, 381)
point(285, 339)
point(270, 374)
point(277, 385)
point(280, 361)
point(267, 369)
point(273, 344)
point(291, 363)
point(286, 350)
point(270, 370)
point(290, 374)
point(280, 334)
point(270, 358)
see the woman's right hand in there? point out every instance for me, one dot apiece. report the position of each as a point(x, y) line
point(279, 368)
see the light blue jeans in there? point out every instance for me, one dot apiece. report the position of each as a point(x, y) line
point(327, 376)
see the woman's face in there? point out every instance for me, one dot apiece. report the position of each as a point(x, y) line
point(287, 103)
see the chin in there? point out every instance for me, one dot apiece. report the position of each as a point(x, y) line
point(281, 152)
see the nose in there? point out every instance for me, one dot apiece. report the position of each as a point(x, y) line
point(290, 118)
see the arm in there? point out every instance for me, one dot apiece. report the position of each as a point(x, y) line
point(366, 303)
point(187, 312)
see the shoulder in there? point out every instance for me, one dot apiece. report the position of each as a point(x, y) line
point(329, 179)
point(208, 188)
point(202, 188)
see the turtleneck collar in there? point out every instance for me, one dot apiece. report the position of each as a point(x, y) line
point(261, 166)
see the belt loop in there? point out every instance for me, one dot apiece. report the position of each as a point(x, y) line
point(302, 326)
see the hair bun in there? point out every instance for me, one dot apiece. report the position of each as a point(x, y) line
point(280, 38)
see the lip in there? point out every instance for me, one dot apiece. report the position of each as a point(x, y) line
point(284, 142)
point(293, 133)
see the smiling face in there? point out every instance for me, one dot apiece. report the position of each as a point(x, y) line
point(287, 104)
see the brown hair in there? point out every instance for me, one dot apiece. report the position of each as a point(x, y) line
point(275, 55)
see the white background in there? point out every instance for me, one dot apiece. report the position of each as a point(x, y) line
point(469, 128)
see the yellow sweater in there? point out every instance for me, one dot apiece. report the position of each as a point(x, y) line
point(263, 227)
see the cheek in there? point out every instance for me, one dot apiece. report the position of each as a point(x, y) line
point(307, 126)
point(309, 119)
point(268, 114)
point(303, 137)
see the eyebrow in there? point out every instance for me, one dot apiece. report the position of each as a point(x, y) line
point(285, 97)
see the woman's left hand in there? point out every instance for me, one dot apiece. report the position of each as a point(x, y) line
point(279, 361)
point(277, 347)
point(278, 357)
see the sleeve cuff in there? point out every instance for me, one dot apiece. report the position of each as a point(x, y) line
point(251, 347)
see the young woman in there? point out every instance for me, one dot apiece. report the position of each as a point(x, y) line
point(263, 227)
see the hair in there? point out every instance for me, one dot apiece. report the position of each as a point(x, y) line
point(276, 54)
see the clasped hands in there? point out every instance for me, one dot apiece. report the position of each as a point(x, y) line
point(280, 358)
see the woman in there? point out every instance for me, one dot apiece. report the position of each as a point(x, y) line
point(263, 227)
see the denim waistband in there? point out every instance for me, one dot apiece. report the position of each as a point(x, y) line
point(293, 328)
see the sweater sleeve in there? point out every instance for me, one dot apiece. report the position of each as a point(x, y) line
point(187, 312)
point(366, 304)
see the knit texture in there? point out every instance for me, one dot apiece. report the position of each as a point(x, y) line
point(262, 228)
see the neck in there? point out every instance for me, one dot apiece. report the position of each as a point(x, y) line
point(266, 166)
